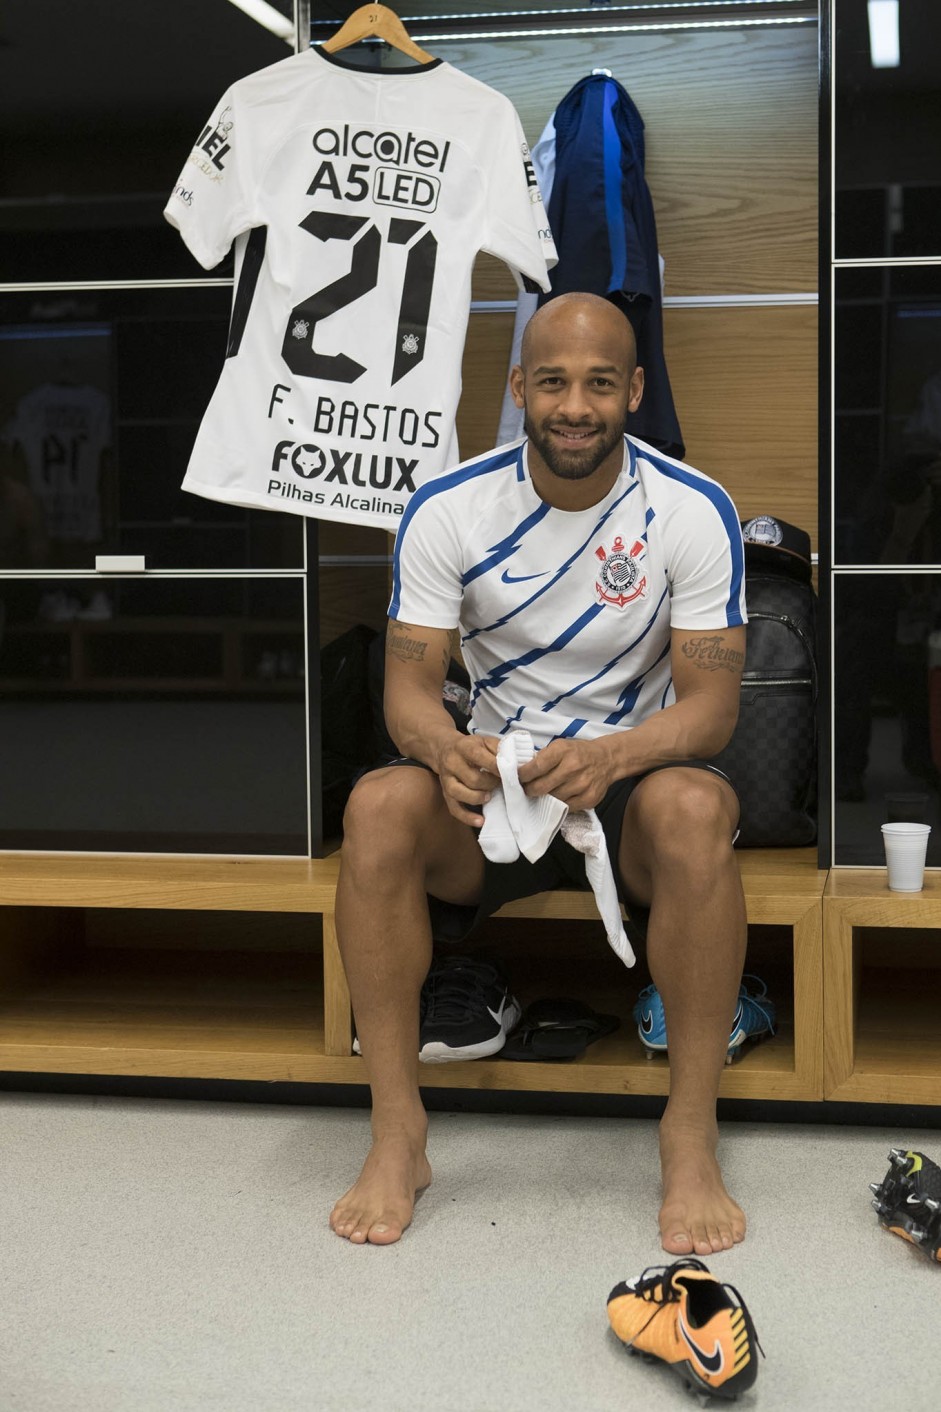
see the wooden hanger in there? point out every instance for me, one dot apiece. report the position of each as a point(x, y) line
point(376, 22)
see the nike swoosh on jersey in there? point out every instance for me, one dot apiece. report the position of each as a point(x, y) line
point(712, 1362)
point(507, 577)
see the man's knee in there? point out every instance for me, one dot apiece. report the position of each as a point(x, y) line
point(680, 810)
point(388, 811)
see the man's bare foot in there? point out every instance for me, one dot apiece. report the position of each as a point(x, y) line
point(378, 1207)
point(697, 1217)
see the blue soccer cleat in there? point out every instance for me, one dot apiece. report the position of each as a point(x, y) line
point(651, 1021)
point(754, 1018)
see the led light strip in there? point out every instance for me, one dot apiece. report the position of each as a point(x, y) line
point(684, 301)
point(439, 37)
point(665, 5)
point(266, 15)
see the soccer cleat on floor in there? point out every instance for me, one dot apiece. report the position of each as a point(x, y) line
point(467, 1011)
point(908, 1200)
point(754, 1018)
point(682, 1315)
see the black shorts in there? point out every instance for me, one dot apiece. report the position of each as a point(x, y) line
point(560, 866)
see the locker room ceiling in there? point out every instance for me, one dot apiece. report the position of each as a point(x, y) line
point(129, 57)
point(139, 57)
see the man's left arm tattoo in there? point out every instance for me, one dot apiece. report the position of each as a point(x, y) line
point(708, 654)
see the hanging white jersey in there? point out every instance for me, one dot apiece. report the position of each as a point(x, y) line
point(565, 616)
point(63, 430)
point(357, 201)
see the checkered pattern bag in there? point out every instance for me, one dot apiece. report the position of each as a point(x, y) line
point(772, 756)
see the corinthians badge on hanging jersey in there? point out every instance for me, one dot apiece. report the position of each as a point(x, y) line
point(620, 578)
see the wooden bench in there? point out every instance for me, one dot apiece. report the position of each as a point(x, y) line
point(185, 1011)
point(783, 890)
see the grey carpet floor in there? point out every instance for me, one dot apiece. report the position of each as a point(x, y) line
point(174, 1256)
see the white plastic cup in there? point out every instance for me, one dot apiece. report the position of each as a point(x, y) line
point(905, 847)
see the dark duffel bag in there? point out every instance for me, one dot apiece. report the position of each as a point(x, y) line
point(772, 756)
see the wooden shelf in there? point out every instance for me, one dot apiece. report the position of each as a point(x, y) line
point(210, 884)
point(260, 1015)
point(616, 1064)
point(185, 1014)
point(896, 1052)
point(783, 888)
point(167, 1013)
point(883, 1022)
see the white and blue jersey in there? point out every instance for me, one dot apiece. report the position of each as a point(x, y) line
point(565, 616)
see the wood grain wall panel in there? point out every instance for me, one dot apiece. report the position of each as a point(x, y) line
point(745, 384)
point(492, 279)
point(485, 370)
point(337, 538)
point(350, 595)
point(731, 139)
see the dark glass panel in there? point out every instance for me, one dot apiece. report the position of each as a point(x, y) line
point(858, 343)
point(915, 282)
point(168, 367)
point(861, 283)
point(861, 221)
point(153, 715)
point(918, 220)
point(860, 516)
point(888, 135)
point(101, 396)
point(887, 694)
point(100, 105)
point(887, 468)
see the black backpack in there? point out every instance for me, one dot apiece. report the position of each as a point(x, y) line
point(346, 727)
point(354, 737)
point(772, 756)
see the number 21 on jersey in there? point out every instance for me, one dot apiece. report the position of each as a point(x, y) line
point(367, 258)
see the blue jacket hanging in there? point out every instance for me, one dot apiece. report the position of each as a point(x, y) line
point(602, 219)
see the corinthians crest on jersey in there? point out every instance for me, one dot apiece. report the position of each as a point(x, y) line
point(621, 578)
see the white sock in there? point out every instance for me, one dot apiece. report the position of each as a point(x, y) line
point(535, 822)
point(583, 831)
point(514, 823)
point(496, 838)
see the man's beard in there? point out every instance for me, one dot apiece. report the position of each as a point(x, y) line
point(574, 464)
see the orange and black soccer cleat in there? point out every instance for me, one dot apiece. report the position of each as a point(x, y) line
point(681, 1314)
point(908, 1200)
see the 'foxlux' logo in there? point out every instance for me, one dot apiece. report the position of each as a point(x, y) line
point(345, 467)
point(618, 577)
